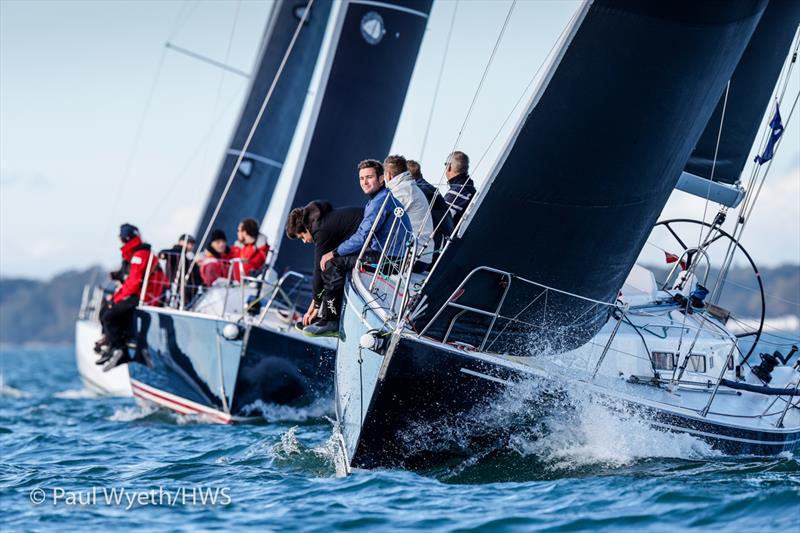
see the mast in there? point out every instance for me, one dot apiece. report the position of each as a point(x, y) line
point(592, 162)
point(255, 180)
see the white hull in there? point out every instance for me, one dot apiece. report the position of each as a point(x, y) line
point(113, 383)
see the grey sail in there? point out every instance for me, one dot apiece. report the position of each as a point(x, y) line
point(375, 52)
point(747, 99)
point(255, 180)
point(590, 168)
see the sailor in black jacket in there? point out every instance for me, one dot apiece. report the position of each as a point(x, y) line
point(462, 188)
point(327, 228)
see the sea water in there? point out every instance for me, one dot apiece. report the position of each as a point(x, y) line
point(71, 461)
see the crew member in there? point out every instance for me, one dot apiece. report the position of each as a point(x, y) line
point(405, 190)
point(319, 223)
point(251, 247)
point(215, 261)
point(117, 315)
point(462, 188)
point(440, 212)
point(337, 263)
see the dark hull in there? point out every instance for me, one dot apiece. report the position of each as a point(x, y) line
point(430, 405)
point(195, 369)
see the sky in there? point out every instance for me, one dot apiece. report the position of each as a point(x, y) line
point(101, 124)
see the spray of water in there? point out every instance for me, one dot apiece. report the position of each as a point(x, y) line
point(584, 429)
point(322, 459)
point(284, 413)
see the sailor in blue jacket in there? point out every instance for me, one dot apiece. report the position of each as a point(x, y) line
point(337, 263)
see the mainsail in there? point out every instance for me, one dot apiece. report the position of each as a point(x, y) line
point(364, 87)
point(748, 95)
point(255, 180)
point(590, 167)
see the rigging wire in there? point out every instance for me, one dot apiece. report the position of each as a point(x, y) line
point(467, 117)
point(166, 194)
point(524, 92)
point(750, 197)
point(227, 56)
point(745, 216)
point(713, 168)
point(438, 82)
point(252, 132)
point(179, 20)
point(224, 71)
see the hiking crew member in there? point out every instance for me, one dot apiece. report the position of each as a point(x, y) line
point(462, 188)
point(440, 212)
point(402, 186)
point(337, 263)
point(117, 315)
point(424, 185)
point(319, 223)
point(251, 247)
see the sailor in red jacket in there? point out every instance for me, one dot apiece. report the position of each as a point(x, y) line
point(117, 315)
point(251, 248)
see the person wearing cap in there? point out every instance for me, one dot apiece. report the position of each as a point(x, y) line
point(216, 258)
point(117, 315)
point(172, 265)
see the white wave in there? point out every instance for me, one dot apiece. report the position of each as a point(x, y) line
point(283, 413)
point(75, 394)
point(129, 414)
point(7, 391)
point(584, 429)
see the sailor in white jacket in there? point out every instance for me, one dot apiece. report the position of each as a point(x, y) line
point(407, 192)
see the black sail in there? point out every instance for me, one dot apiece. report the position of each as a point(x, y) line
point(749, 94)
point(376, 47)
point(578, 189)
point(254, 183)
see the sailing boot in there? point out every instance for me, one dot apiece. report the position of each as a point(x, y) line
point(105, 355)
point(118, 357)
point(101, 342)
point(327, 324)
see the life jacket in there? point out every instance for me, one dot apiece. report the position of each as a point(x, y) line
point(137, 254)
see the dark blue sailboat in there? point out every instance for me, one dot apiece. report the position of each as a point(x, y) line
point(235, 349)
point(541, 260)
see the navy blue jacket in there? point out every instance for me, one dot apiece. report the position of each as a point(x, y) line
point(460, 194)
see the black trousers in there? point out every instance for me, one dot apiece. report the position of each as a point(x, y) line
point(117, 319)
point(333, 279)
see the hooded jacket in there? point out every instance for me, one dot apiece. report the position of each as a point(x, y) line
point(329, 227)
point(137, 254)
point(406, 191)
point(372, 211)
